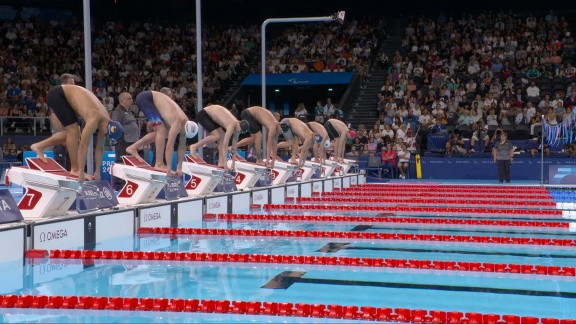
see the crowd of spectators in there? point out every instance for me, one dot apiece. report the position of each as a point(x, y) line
point(469, 75)
point(129, 57)
point(325, 47)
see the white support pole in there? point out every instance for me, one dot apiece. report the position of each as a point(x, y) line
point(542, 153)
point(199, 80)
point(263, 58)
point(88, 77)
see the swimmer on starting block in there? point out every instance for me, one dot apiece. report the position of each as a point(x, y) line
point(259, 117)
point(214, 119)
point(320, 145)
point(68, 102)
point(295, 130)
point(338, 133)
point(168, 120)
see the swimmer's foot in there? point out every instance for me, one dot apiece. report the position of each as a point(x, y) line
point(134, 152)
point(161, 167)
point(36, 149)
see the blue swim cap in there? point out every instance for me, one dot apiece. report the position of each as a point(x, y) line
point(115, 130)
point(317, 138)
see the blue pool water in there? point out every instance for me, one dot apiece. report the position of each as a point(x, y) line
point(498, 293)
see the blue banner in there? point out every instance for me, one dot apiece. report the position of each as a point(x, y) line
point(299, 79)
point(522, 168)
point(9, 211)
point(173, 189)
point(90, 195)
point(107, 160)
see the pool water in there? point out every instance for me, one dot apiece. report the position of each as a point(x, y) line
point(537, 295)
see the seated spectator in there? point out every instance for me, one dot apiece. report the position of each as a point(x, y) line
point(388, 159)
point(301, 111)
point(535, 151)
point(438, 127)
point(455, 144)
point(403, 161)
point(480, 134)
point(9, 147)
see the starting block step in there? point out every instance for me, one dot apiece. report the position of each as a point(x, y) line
point(282, 171)
point(143, 182)
point(204, 178)
point(50, 190)
point(248, 173)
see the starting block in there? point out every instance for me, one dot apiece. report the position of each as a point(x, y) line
point(282, 171)
point(50, 189)
point(309, 169)
point(204, 178)
point(143, 183)
point(328, 168)
point(247, 173)
point(344, 167)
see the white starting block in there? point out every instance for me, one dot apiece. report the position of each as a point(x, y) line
point(247, 173)
point(204, 178)
point(328, 168)
point(308, 170)
point(343, 168)
point(143, 183)
point(282, 171)
point(348, 164)
point(50, 189)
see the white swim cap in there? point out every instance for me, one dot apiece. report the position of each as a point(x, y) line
point(327, 144)
point(191, 129)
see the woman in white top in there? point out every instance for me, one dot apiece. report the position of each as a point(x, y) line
point(403, 161)
point(387, 131)
point(301, 111)
point(492, 119)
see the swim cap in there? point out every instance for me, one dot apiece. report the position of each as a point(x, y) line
point(244, 126)
point(327, 144)
point(317, 138)
point(191, 129)
point(353, 134)
point(115, 130)
point(285, 125)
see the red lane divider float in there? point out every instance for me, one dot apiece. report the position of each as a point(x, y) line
point(434, 201)
point(455, 187)
point(418, 209)
point(487, 267)
point(428, 194)
point(385, 219)
point(359, 235)
point(240, 307)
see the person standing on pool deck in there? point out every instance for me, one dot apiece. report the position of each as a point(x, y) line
point(295, 130)
point(215, 119)
point(167, 119)
point(68, 102)
point(503, 153)
point(338, 133)
point(259, 117)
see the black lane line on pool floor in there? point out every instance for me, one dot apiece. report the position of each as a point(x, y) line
point(363, 228)
point(287, 278)
point(334, 247)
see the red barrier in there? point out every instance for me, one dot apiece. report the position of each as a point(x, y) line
point(385, 219)
point(346, 235)
point(345, 261)
point(432, 201)
point(416, 209)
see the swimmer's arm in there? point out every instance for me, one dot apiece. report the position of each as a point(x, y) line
point(175, 129)
point(89, 129)
point(181, 151)
point(272, 143)
point(98, 153)
point(234, 149)
point(305, 148)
